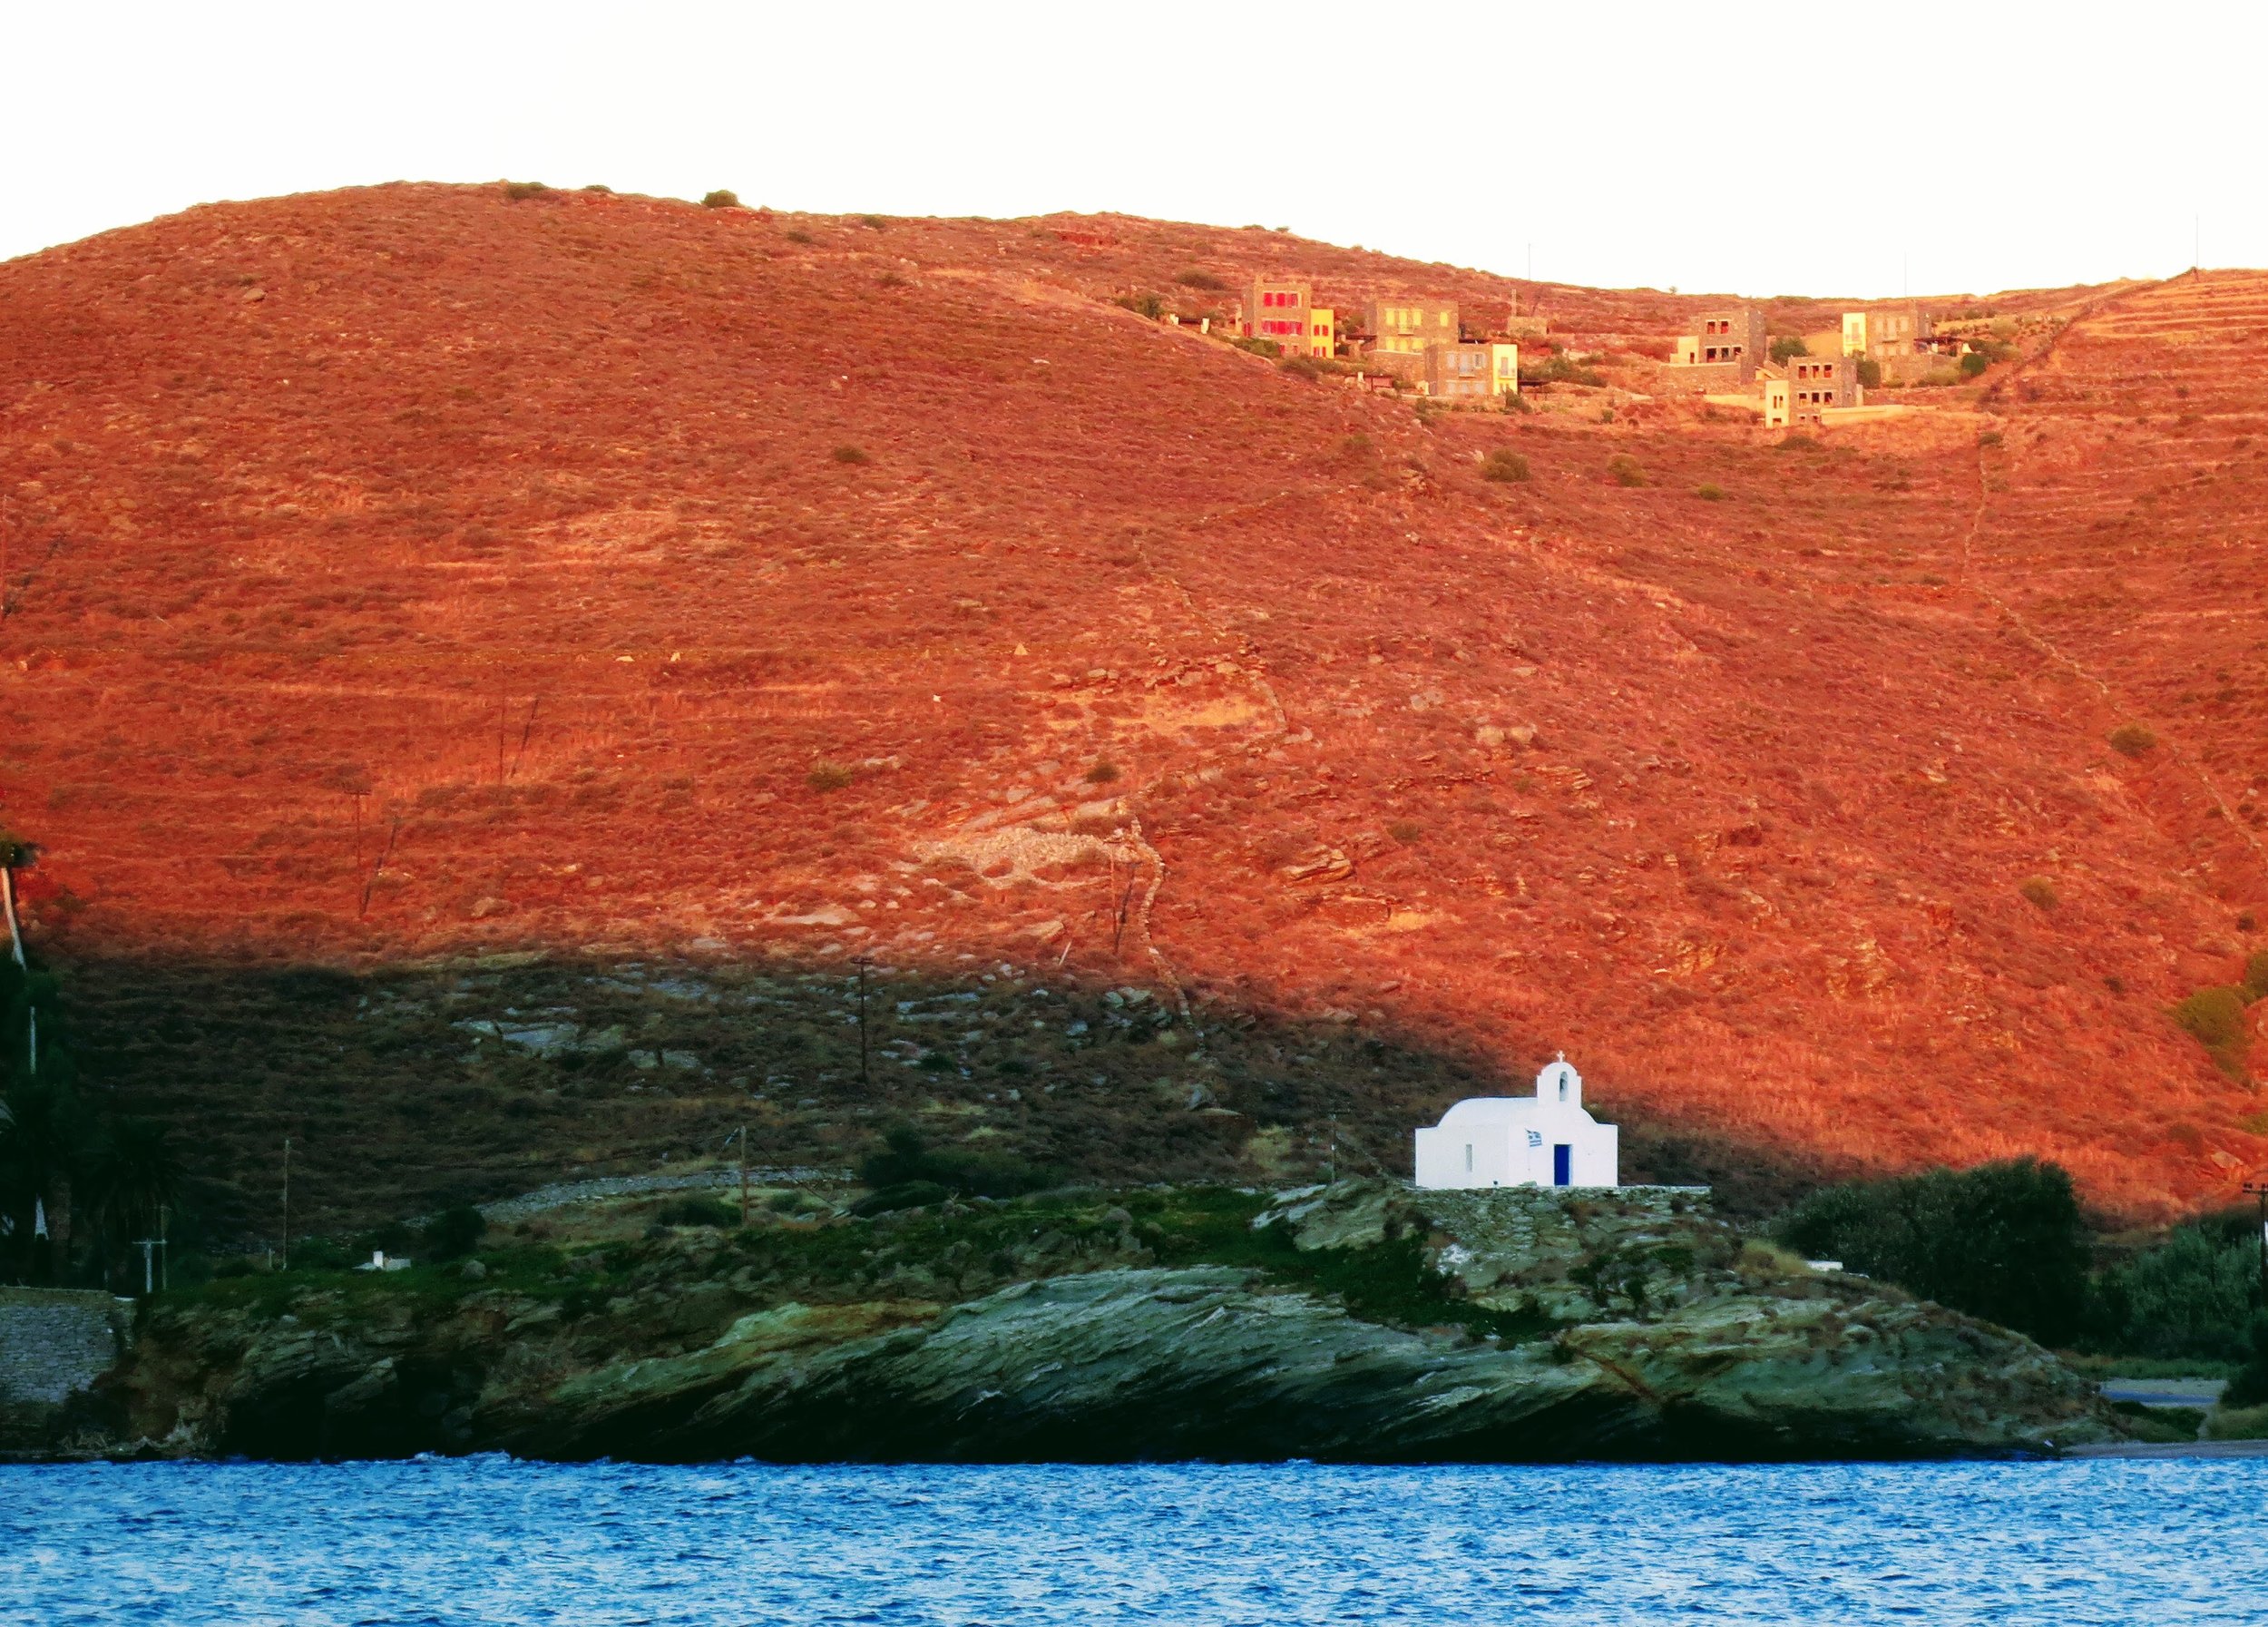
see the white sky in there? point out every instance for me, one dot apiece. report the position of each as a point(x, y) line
point(1708, 146)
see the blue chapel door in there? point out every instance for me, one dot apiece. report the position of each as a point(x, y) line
point(1562, 1162)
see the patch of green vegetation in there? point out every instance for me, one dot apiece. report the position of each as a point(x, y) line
point(2160, 1425)
point(1197, 278)
point(2131, 739)
point(2004, 1241)
point(1503, 463)
point(1788, 345)
point(2214, 1018)
point(1624, 470)
point(1558, 368)
point(2237, 1423)
point(2039, 891)
point(721, 198)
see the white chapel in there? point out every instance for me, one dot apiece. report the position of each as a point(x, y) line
point(1544, 1140)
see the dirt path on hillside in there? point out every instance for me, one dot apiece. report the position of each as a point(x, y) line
point(2183, 759)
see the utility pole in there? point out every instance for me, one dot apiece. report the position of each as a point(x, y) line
point(148, 1245)
point(287, 1205)
point(2259, 1189)
point(866, 1066)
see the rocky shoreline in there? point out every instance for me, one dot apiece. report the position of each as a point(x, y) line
point(1362, 1322)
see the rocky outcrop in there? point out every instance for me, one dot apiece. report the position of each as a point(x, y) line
point(1591, 1324)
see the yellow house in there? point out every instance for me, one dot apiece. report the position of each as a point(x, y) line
point(1322, 331)
point(1778, 413)
point(1504, 368)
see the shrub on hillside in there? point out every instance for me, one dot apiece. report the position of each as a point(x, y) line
point(1972, 366)
point(1302, 366)
point(1624, 470)
point(2214, 1018)
point(1795, 443)
point(1103, 771)
point(720, 199)
point(1709, 492)
point(2039, 891)
point(829, 776)
point(2255, 984)
point(1558, 368)
point(700, 1212)
point(2192, 1296)
point(905, 1159)
point(795, 234)
point(1196, 278)
point(1503, 463)
point(1267, 347)
point(851, 455)
point(2002, 1241)
point(453, 1232)
point(2131, 739)
point(1788, 345)
point(1143, 305)
point(1870, 373)
point(518, 189)
point(873, 222)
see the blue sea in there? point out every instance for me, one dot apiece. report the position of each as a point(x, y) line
point(495, 1541)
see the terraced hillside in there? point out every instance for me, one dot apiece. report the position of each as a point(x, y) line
point(403, 576)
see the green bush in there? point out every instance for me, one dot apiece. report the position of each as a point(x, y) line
point(1972, 366)
point(1196, 278)
point(2192, 1296)
point(2237, 1423)
point(453, 1232)
point(1267, 347)
point(2003, 1241)
point(851, 455)
point(1558, 368)
point(2214, 1018)
point(1709, 492)
point(829, 776)
point(720, 199)
point(519, 189)
point(1623, 470)
point(873, 222)
point(1787, 345)
point(905, 1159)
point(2255, 984)
point(1503, 463)
point(700, 1212)
point(1795, 443)
point(2131, 739)
point(1870, 373)
point(2039, 891)
point(1302, 366)
point(1102, 772)
point(1143, 305)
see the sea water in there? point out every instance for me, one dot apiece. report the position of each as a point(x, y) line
point(491, 1541)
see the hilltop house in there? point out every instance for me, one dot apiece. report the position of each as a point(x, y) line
point(1728, 350)
point(1544, 1140)
point(1883, 333)
point(1801, 389)
point(1285, 312)
point(1400, 326)
point(1471, 372)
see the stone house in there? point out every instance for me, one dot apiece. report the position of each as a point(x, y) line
point(1882, 332)
point(1479, 372)
point(1400, 326)
point(1727, 352)
point(1803, 387)
point(1284, 311)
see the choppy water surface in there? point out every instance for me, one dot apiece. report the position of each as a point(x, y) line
point(491, 1541)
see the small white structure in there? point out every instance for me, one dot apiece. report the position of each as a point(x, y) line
point(1546, 1140)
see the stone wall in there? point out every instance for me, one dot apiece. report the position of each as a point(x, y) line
point(54, 1343)
point(1703, 378)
